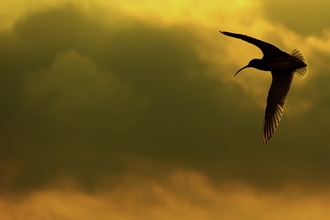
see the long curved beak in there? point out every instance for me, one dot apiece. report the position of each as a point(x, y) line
point(242, 69)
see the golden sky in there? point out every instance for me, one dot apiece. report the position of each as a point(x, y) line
point(129, 110)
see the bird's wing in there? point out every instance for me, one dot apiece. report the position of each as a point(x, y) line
point(275, 103)
point(266, 48)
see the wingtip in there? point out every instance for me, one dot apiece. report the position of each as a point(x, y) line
point(267, 131)
point(264, 139)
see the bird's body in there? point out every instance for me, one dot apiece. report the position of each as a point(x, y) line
point(282, 66)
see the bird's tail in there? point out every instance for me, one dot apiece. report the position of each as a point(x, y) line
point(302, 71)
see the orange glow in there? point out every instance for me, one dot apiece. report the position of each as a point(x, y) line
point(183, 195)
point(85, 85)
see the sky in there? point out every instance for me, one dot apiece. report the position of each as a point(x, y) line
point(129, 110)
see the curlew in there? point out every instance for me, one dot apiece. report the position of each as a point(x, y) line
point(282, 66)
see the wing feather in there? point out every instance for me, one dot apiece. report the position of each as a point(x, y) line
point(266, 48)
point(275, 103)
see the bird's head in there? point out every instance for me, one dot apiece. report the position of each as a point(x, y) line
point(253, 63)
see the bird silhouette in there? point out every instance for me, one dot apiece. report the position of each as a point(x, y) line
point(282, 66)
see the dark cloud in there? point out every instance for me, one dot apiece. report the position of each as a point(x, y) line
point(87, 100)
point(306, 18)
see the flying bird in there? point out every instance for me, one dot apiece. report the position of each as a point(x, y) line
point(283, 67)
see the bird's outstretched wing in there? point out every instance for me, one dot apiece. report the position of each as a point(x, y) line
point(266, 48)
point(275, 103)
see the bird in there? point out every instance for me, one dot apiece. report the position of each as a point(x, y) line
point(283, 67)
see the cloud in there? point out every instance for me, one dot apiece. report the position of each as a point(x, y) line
point(74, 93)
point(108, 113)
point(84, 96)
point(305, 18)
point(179, 195)
point(95, 93)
